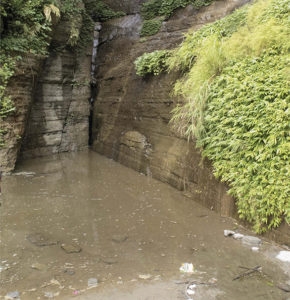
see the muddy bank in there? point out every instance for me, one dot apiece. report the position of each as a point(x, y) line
point(75, 217)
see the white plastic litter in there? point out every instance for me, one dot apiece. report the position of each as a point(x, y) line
point(145, 276)
point(192, 286)
point(92, 282)
point(255, 249)
point(284, 256)
point(12, 295)
point(228, 232)
point(186, 268)
point(190, 292)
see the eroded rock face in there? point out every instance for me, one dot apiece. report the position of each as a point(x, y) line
point(51, 97)
point(59, 116)
point(132, 114)
point(21, 89)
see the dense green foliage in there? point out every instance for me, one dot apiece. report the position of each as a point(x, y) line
point(184, 56)
point(99, 11)
point(153, 9)
point(236, 105)
point(247, 136)
point(25, 27)
point(151, 27)
point(152, 63)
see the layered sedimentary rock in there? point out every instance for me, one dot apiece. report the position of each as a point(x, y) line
point(59, 116)
point(51, 97)
point(132, 114)
point(58, 119)
point(21, 89)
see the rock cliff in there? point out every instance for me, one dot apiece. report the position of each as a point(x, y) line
point(51, 97)
point(131, 115)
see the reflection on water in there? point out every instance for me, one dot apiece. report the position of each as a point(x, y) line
point(75, 217)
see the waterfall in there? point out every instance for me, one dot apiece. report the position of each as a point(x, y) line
point(97, 29)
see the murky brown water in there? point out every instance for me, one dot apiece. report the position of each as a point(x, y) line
point(128, 227)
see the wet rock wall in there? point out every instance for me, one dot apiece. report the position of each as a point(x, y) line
point(51, 97)
point(131, 115)
point(131, 118)
point(59, 114)
point(21, 89)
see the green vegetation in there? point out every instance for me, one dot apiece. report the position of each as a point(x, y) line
point(155, 8)
point(151, 27)
point(99, 11)
point(25, 28)
point(184, 56)
point(152, 63)
point(154, 12)
point(247, 136)
point(235, 87)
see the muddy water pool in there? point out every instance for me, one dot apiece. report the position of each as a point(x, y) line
point(81, 226)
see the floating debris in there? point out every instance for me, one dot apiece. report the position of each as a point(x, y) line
point(93, 282)
point(145, 276)
point(186, 268)
point(255, 249)
point(51, 295)
point(249, 272)
point(27, 174)
point(48, 295)
point(12, 295)
point(284, 256)
point(190, 292)
point(228, 233)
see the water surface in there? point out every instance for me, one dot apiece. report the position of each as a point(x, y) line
point(133, 234)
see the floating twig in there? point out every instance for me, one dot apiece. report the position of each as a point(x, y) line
point(249, 272)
